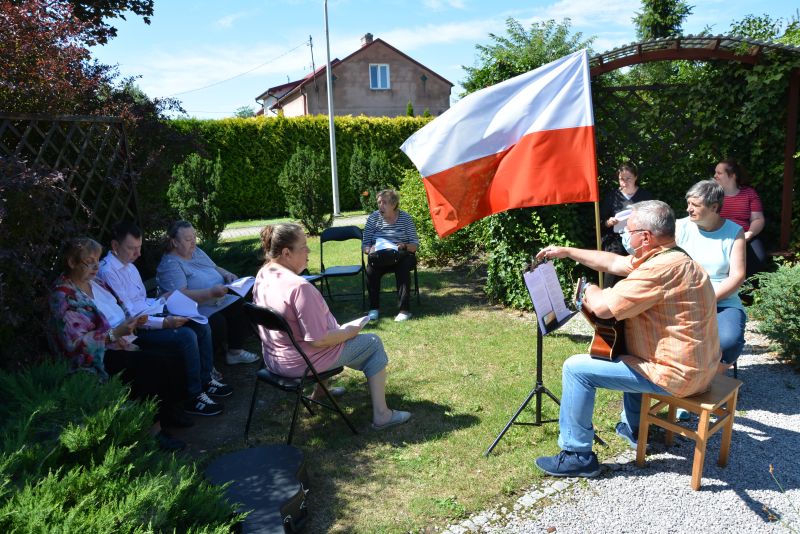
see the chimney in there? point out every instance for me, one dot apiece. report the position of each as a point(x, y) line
point(367, 39)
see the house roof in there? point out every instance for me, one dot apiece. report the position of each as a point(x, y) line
point(296, 86)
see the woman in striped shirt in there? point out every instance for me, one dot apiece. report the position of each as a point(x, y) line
point(390, 225)
point(743, 206)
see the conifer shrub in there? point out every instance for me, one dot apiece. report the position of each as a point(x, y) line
point(77, 455)
point(307, 188)
point(775, 305)
point(193, 193)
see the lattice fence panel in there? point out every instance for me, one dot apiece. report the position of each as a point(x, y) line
point(91, 152)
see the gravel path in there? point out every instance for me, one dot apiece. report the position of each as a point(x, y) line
point(741, 497)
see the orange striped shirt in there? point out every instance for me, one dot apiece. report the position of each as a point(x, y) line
point(670, 314)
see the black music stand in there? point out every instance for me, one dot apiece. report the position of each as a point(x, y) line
point(551, 314)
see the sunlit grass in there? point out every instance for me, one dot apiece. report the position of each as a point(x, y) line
point(462, 367)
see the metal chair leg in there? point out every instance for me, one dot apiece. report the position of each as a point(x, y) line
point(250, 413)
point(294, 417)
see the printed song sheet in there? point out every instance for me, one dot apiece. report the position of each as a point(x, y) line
point(547, 296)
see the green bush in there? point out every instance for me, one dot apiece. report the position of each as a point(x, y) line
point(514, 237)
point(307, 188)
point(371, 172)
point(458, 247)
point(193, 194)
point(76, 456)
point(775, 305)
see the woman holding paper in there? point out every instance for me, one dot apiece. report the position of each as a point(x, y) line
point(614, 210)
point(390, 228)
point(327, 344)
point(91, 328)
point(185, 267)
point(719, 246)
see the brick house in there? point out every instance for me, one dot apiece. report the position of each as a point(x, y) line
point(376, 80)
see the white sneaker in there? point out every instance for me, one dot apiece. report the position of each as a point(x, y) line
point(402, 316)
point(373, 315)
point(242, 357)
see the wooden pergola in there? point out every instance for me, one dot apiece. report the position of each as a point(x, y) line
point(719, 48)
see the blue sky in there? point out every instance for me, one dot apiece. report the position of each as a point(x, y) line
point(192, 46)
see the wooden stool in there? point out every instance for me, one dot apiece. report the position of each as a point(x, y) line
point(720, 400)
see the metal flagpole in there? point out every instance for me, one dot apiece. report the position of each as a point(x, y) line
point(329, 74)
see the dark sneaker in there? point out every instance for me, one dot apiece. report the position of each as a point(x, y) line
point(168, 443)
point(625, 432)
point(218, 389)
point(570, 464)
point(202, 405)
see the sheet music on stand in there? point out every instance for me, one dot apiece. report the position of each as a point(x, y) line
point(547, 297)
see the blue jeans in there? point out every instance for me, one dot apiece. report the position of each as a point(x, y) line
point(730, 324)
point(580, 377)
point(193, 342)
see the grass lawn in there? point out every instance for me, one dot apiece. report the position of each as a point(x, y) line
point(264, 222)
point(462, 367)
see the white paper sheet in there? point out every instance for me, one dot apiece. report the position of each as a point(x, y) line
point(242, 285)
point(622, 218)
point(213, 306)
point(180, 304)
point(384, 244)
point(361, 322)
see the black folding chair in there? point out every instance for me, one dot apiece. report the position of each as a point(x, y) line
point(271, 320)
point(341, 233)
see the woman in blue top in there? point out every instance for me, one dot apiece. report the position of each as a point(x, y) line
point(719, 246)
point(394, 226)
point(186, 268)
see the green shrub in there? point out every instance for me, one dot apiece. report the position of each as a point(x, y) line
point(775, 305)
point(193, 194)
point(76, 455)
point(458, 247)
point(514, 237)
point(307, 188)
point(370, 172)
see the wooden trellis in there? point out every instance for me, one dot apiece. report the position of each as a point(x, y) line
point(91, 152)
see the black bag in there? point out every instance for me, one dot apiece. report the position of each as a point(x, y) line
point(271, 481)
point(385, 258)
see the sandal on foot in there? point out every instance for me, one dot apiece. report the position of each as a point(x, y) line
point(398, 418)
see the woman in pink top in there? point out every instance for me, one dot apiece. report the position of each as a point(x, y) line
point(742, 205)
point(328, 345)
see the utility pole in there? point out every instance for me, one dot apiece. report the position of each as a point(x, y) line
point(334, 171)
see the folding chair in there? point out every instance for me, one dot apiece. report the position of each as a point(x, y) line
point(341, 233)
point(272, 320)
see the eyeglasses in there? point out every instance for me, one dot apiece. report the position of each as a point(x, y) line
point(626, 231)
point(92, 265)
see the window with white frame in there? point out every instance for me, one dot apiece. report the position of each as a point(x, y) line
point(379, 76)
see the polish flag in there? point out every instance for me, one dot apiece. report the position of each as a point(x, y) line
point(527, 141)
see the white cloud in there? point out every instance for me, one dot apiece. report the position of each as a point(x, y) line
point(407, 39)
point(440, 5)
point(228, 20)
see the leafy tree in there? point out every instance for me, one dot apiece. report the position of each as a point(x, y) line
point(426, 113)
point(521, 51)
point(244, 112)
point(410, 109)
point(763, 28)
point(193, 193)
point(91, 13)
point(661, 18)
point(370, 172)
point(306, 186)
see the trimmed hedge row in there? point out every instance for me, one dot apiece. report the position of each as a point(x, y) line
point(255, 150)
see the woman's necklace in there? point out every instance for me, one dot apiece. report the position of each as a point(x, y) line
point(86, 287)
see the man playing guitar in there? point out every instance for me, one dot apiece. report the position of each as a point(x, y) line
point(672, 346)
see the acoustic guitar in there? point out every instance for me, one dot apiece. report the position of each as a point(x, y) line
point(608, 340)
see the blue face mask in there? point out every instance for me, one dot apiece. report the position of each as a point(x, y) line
point(626, 242)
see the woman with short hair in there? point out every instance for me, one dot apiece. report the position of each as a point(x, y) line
point(393, 227)
point(718, 245)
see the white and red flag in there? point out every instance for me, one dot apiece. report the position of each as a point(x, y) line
point(527, 141)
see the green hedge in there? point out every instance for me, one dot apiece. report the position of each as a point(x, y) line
point(255, 150)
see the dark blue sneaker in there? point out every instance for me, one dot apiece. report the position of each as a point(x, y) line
point(625, 432)
point(570, 464)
